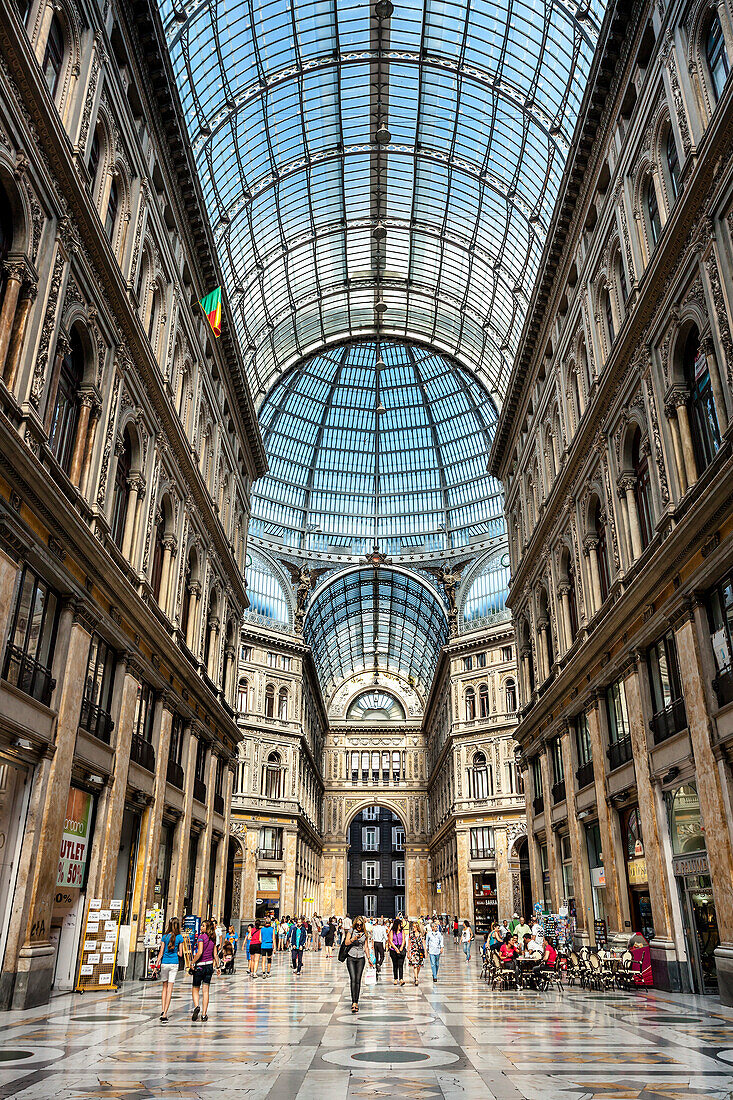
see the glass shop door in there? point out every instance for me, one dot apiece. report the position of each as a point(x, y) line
point(701, 931)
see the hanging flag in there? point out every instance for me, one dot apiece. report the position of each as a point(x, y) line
point(211, 305)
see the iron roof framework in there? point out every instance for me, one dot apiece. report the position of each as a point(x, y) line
point(373, 620)
point(379, 170)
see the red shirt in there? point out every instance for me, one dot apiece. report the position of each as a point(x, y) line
point(255, 937)
point(550, 954)
point(507, 951)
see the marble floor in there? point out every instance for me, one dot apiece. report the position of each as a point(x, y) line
point(290, 1038)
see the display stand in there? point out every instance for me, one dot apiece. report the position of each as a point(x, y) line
point(98, 955)
point(151, 941)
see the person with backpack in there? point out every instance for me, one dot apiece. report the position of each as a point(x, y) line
point(298, 940)
point(267, 944)
point(171, 948)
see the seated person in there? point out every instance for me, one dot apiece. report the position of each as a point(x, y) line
point(227, 953)
point(509, 953)
point(549, 955)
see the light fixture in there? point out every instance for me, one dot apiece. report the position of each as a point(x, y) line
point(383, 9)
point(23, 743)
point(583, 814)
point(380, 364)
point(380, 306)
point(379, 232)
point(671, 775)
point(382, 136)
point(380, 409)
point(96, 780)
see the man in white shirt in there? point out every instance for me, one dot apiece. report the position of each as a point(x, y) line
point(536, 930)
point(379, 939)
point(434, 945)
point(503, 931)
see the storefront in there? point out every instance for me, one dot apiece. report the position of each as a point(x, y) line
point(70, 896)
point(485, 902)
point(597, 870)
point(692, 875)
point(640, 904)
point(15, 785)
point(268, 894)
point(163, 867)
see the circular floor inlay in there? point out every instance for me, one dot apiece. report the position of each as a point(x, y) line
point(390, 1056)
point(98, 1019)
point(15, 1055)
point(8, 1055)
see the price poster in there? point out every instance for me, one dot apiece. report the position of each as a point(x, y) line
point(75, 842)
point(153, 926)
point(99, 945)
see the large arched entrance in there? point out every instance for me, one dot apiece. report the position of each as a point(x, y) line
point(376, 876)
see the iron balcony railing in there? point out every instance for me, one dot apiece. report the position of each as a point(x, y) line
point(619, 752)
point(585, 775)
point(29, 675)
point(667, 722)
point(199, 790)
point(142, 752)
point(538, 804)
point(95, 720)
point(174, 774)
point(558, 791)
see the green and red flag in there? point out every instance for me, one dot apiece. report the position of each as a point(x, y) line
point(211, 305)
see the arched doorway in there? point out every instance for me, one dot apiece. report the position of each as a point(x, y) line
point(376, 862)
point(525, 881)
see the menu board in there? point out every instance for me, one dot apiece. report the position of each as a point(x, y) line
point(599, 928)
point(98, 954)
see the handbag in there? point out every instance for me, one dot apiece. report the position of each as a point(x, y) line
point(343, 952)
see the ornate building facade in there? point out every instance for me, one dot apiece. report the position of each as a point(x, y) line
point(614, 448)
point(128, 444)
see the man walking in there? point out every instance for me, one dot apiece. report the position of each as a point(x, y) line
point(300, 934)
point(434, 944)
point(379, 939)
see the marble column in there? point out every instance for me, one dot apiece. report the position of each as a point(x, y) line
point(564, 593)
point(213, 661)
point(504, 892)
point(203, 858)
point(662, 946)
point(193, 615)
point(9, 569)
point(627, 484)
point(36, 956)
point(688, 451)
point(109, 823)
point(182, 831)
point(543, 626)
point(89, 449)
point(553, 861)
point(581, 875)
point(80, 440)
point(591, 548)
point(134, 484)
point(334, 877)
point(287, 887)
point(17, 338)
point(614, 910)
point(152, 821)
point(14, 272)
point(169, 547)
point(464, 880)
point(710, 780)
point(671, 414)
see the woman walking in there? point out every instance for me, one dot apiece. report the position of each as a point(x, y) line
point(255, 949)
point(329, 936)
point(416, 950)
point(171, 946)
point(205, 961)
point(466, 937)
point(355, 943)
point(397, 949)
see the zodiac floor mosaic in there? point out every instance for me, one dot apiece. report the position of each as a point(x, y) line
point(290, 1038)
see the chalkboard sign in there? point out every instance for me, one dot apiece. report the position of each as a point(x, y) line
point(599, 928)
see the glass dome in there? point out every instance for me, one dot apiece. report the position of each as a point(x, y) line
point(395, 455)
point(267, 597)
point(488, 592)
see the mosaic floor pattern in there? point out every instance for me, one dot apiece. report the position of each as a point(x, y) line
point(288, 1038)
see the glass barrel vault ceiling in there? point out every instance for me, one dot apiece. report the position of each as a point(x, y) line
point(375, 620)
point(343, 476)
point(356, 158)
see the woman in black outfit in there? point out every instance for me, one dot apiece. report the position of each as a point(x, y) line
point(356, 958)
point(396, 942)
point(329, 936)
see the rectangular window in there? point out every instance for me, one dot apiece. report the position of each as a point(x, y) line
point(515, 782)
point(399, 904)
point(32, 638)
point(370, 905)
point(285, 663)
point(200, 769)
point(720, 620)
point(398, 874)
point(480, 660)
point(567, 870)
point(142, 723)
point(396, 766)
point(97, 702)
point(369, 873)
point(398, 838)
point(467, 664)
point(371, 813)
point(271, 843)
point(354, 767)
point(175, 746)
point(619, 733)
point(246, 653)
point(582, 739)
point(669, 714)
point(558, 768)
point(482, 842)
point(537, 776)
point(506, 653)
point(369, 838)
point(272, 660)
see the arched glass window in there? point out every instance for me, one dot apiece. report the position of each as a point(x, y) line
point(272, 778)
point(572, 599)
point(53, 57)
point(602, 548)
point(483, 697)
point(113, 204)
point(608, 312)
point(470, 705)
point(716, 56)
point(242, 691)
point(153, 318)
point(652, 209)
point(510, 695)
point(95, 155)
point(621, 275)
point(68, 402)
point(121, 491)
point(673, 163)
point(642, 490)
point(269, 701)
point(157, 570)
point(6, 237)
point(703, 417)
point(480, 785)
point(282, 705)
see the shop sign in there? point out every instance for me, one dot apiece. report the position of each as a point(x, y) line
point(75, 843)
point(267, 884)
point(691, 865)
point(637, 872)
point(598, 876)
